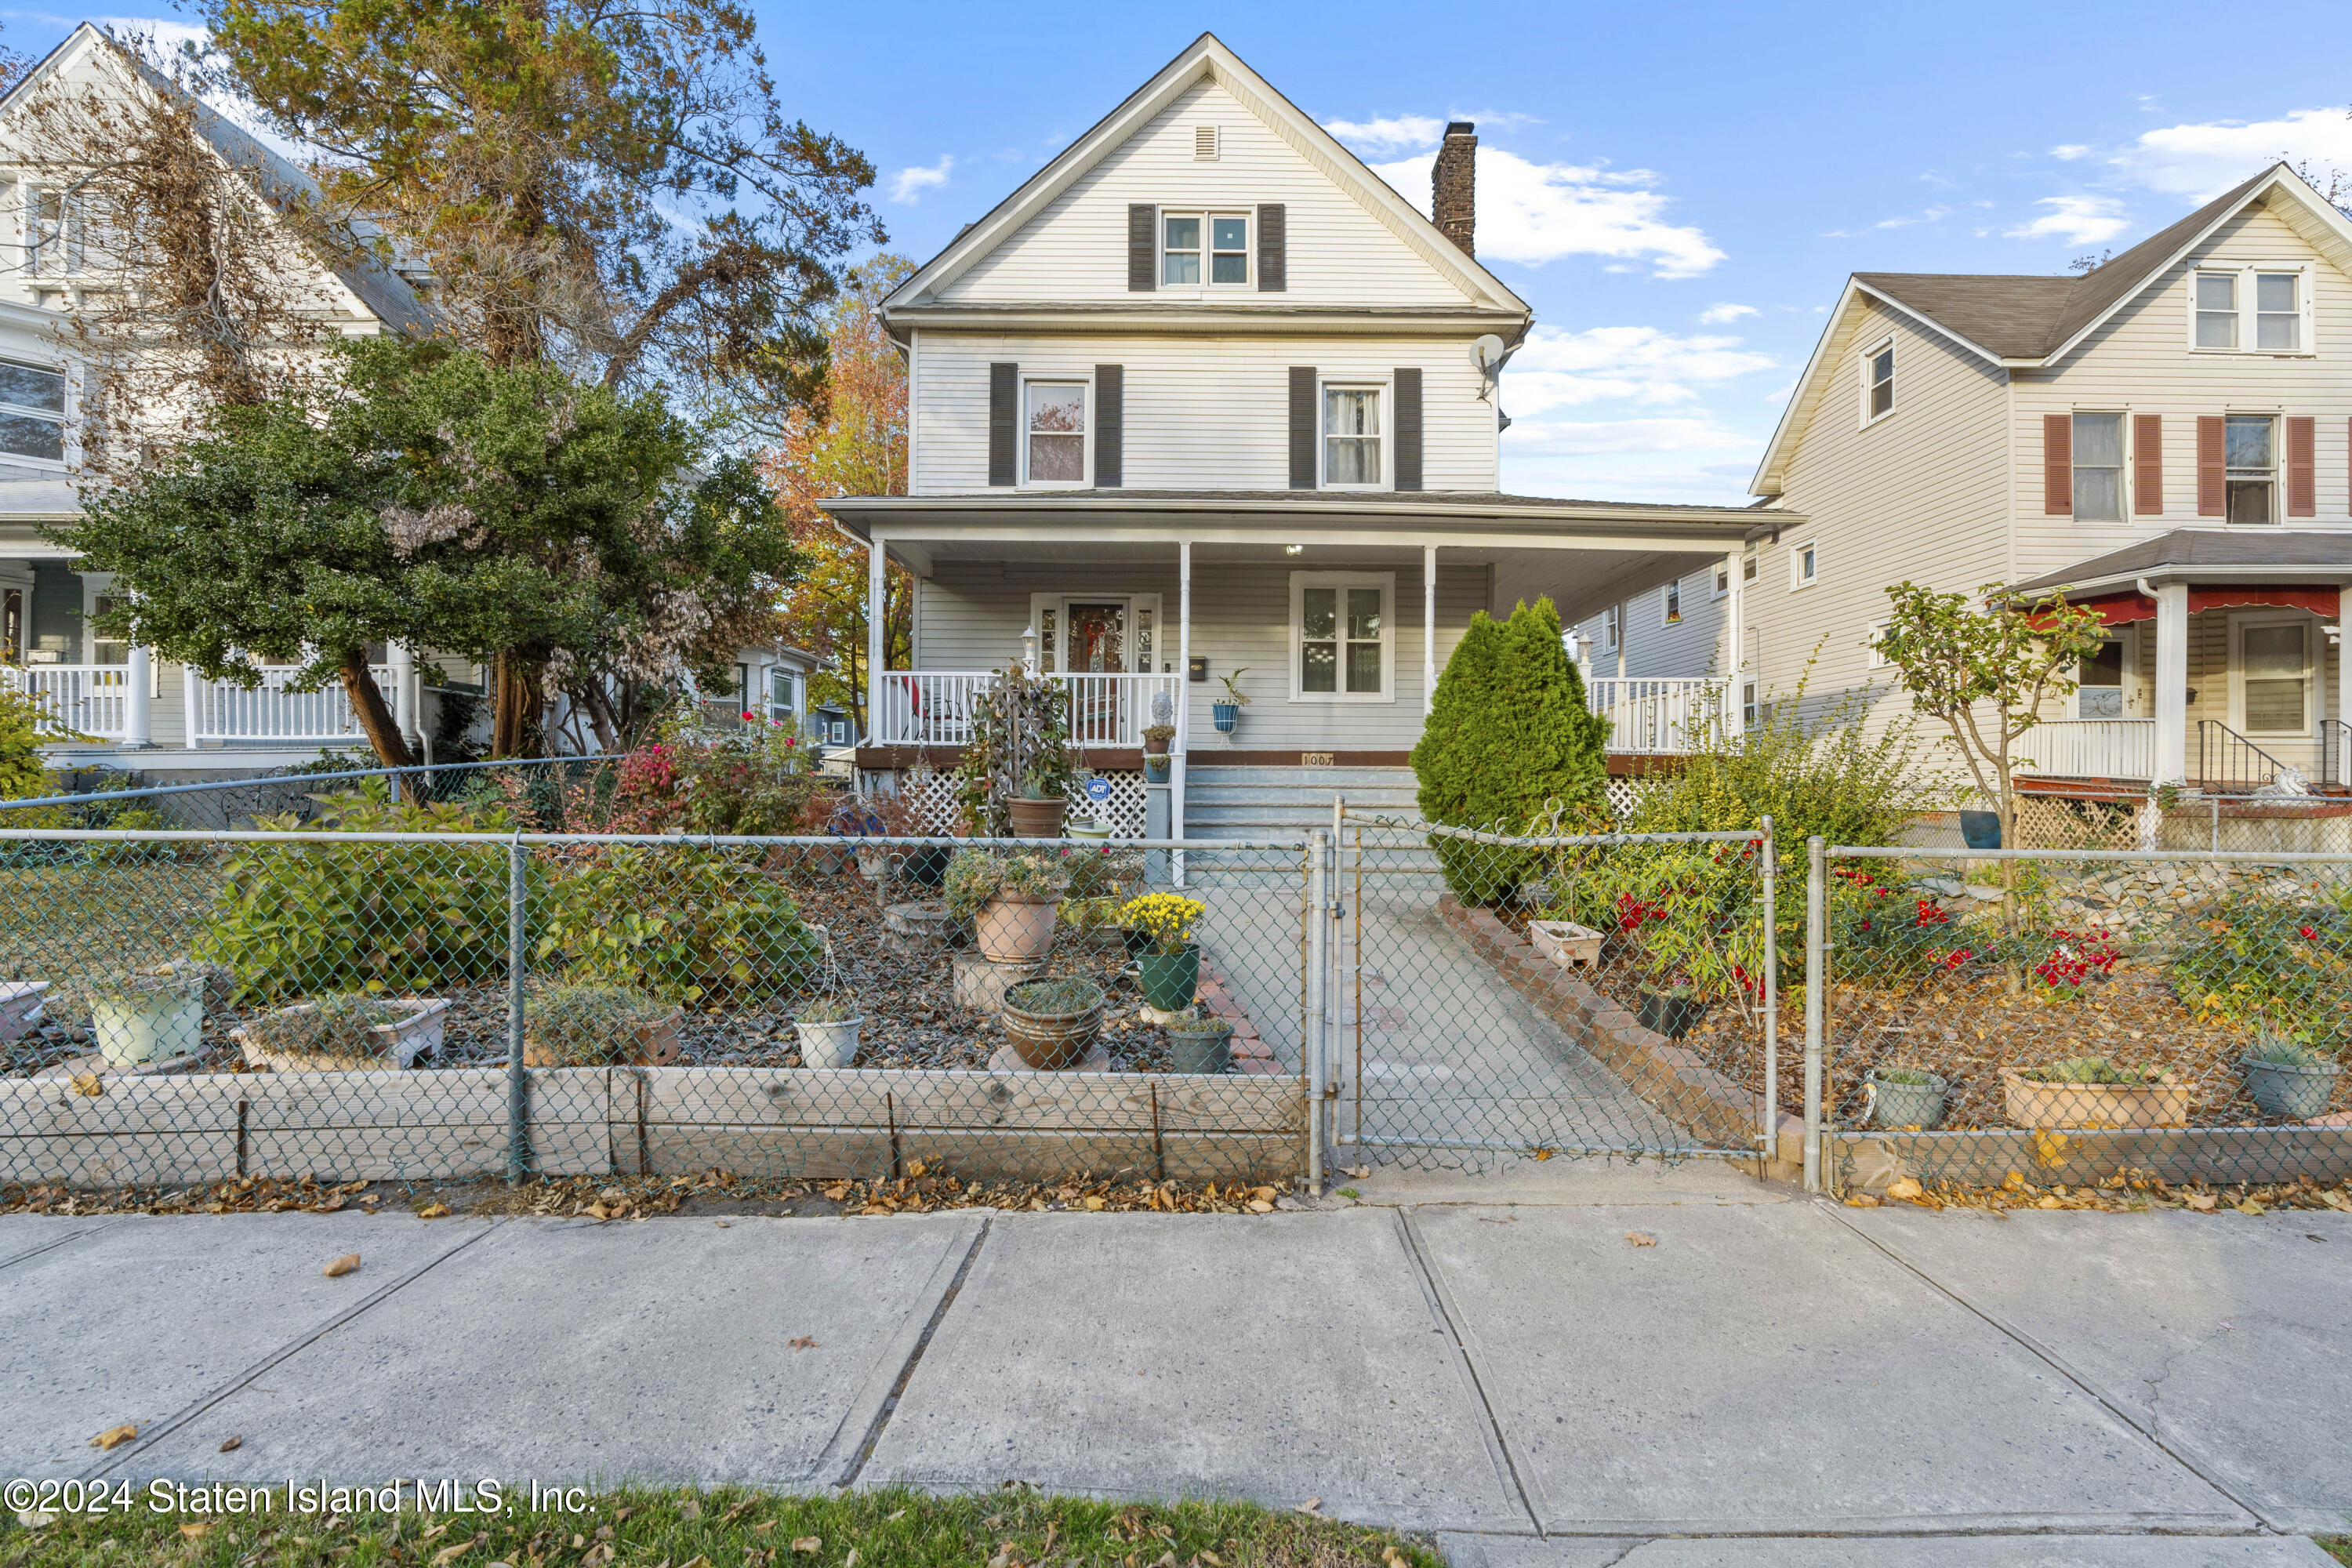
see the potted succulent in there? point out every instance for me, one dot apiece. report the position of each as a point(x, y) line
point(2092, 1092)
point(828, 1028)
point(1904, 1097)
point(1227, 710)
point(1199, 1041)
point(1051, 1023)
point(2287, 1078)
point(580, 1025)
point(1171, 965)
point(347, 1033)
point(1010, 900)
point(1156, 737)
point(1671, 1010)
point(149, 1015)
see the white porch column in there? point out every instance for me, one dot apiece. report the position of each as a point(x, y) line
point(403, 659)
point(1735, 617)
point(2172, 683)
point(2340, 765)
point(190, 708)
point(877, 569)
point(139, 698)
point(1428, 628)
point(1183, 686)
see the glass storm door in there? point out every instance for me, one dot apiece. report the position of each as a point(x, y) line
point(1093, 642)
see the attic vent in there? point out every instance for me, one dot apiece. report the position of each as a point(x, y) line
point(1204, 144)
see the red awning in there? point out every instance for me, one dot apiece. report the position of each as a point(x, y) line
point(2129, 606)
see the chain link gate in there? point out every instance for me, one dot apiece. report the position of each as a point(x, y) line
point(1487, 997)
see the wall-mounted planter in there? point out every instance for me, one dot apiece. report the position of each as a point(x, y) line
point(1158, 768)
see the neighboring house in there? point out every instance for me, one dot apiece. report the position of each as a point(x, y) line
point(126, 701)
point(2168, 436)
point(771, 683)
point(1206, 398)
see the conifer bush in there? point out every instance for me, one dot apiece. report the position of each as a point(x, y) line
point(1509, 739)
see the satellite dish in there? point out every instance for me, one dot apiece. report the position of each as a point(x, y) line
point(1487, 353)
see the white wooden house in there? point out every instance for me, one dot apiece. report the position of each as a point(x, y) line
point(2168, 438)
point(1206, 398)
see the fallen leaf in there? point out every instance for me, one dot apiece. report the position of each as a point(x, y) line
point(35, 1518)
point(1908, 1187)
point(2048, 1201)
point(1267, 1192)
point(114, 1437)
point(1861, 1200)
point(2203, 1203)
point(1541, 1155)
point(347, 1263)
point(1640, 1238)
point(2336, 1201)
point(2250, 1206)
point(449, 1554)
point(232, 1446)
point(1094, 1206)
point(433, 1211)
point(689, 1508)
point(598, 1210)
point(1309, 1506)
point(851, 1560)
point(88, 1083)
point(1259, 1205)
point(808, 1543)
point(805, 1342)
point(697, 1561)
point(720, 1223)
point(895, 1517)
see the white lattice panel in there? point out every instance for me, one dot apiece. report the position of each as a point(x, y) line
point(931, 796)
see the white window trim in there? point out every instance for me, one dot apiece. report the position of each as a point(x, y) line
point(1797, 575)
point(2306, 329)
point(2124, 499)
point(1055, 661)
point(1876, 656)
point(2278, 518)
point(1087, 474)
point(1387, 438)
point(1883, 345)
point(1670, 606)
point(2125, 636)
point(1386, 582)
point(2313, 697)
point(1612, 631)
point(1208, 217)
point(64, 421)
point(1720, 576)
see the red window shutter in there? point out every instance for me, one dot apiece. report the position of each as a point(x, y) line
point(2058, 464)
point(2301, 467)
point(2147, 464)
point(2213, 494)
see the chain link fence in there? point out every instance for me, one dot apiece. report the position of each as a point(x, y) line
point(1502, 996)
point(189, 1008)
point(549, 792)
point(2065, 1018)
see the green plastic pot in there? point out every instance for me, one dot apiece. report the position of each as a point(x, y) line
point(1200, 1050)
point(1170, 979)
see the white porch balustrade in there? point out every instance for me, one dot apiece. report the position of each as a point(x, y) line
point(1659, 715)
point(2091, 749)
point(272, 714)
point(934, 708)
point(91, 699)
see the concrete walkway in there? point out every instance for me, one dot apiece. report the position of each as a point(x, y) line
point(1773, 1380)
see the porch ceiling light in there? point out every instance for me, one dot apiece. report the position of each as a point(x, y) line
point(1292, 549)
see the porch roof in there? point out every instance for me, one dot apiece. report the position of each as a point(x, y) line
point(2216, 555)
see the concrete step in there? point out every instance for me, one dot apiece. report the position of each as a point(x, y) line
point(1295, 800)
point(1203, 768)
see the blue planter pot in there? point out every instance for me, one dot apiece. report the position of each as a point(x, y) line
point(1157, 769)
point(1226, 715)
point(1980, 829)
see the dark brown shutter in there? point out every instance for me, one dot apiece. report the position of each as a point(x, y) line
point(2147, 464)
point(1004, 392)
point(2058, 464)
point(2212, 493)
point(1273, 248)
point(2301, 467)
point(1110, 427)
point(1408, 428)
point(1142, 247)
point(1302, 426)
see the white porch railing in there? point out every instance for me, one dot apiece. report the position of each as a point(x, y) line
point(224, 711)
point(2091, 749)
point(934, 708)
point(91, 699)
point(1659, 715)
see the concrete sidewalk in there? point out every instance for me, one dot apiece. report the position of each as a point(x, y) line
point(1493, 1361)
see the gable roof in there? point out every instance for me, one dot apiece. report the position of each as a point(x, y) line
point(2021, 321)
point(1207, 59)
point(384, 292)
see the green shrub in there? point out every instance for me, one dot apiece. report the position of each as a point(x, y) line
point(306, 919)
point(2256, 960)
point(22, 774)
point(1509, 741)
point(1059, 998)
point(684, 924)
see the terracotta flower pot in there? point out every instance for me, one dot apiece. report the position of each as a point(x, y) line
point(1037, 818)
point(657, 1045)
point(1014, 930)
point(2164, 1103)
point(1050, 1042)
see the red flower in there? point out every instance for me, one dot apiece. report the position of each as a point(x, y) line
point(2309, 933)
point(1955, 958)
point(1930, 913)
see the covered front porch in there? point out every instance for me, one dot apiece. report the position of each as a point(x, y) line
point(1331, 616)
point(2224, 671)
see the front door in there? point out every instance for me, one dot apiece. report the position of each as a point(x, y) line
point(1095, 642)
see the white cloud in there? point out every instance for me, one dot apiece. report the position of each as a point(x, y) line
point(1716, 315)
point(909, 184)
point(1929, 216)
point(2070, 151)
point(1533, 213)
point(1660, 459)
point(2199, 161)
point(2078, 220)
point(1388, 133)
point(1640, 366)
point(1580, 438)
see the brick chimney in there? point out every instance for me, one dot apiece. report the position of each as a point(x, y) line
point(1454, 185)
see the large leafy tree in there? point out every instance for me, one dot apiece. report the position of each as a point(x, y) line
point(438, 497)
point(850, 440)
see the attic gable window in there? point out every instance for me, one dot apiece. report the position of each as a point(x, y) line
point(1878, 381)
point(2249, 307)
point(1225, 257)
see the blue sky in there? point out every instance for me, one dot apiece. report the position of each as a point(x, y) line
point(1679, 190)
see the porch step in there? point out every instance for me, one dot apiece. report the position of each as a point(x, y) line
point(1257, 802)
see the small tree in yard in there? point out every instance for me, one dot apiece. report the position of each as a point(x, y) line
point(1509, 739)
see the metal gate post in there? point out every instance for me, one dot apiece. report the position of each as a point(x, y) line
point(1771, 994)
point(1816, 978)
point(517, 1084)
point(1314, 1049)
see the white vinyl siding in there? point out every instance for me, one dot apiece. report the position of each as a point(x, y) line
point(1200, 413)
point(1076, 250)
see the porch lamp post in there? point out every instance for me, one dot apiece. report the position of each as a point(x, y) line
point(1029, 649)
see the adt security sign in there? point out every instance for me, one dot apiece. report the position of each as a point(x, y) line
point(1099, 790)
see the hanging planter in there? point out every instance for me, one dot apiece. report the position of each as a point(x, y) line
point(828, 1030)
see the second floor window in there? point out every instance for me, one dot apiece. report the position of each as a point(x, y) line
point(1609, 633)
point(1058, 433)
point(32, 411)
point(2244, 309)
point(1351, 435)
point(2099, 467)
point(1205, 247)
point(1878, 381)
point(2250, 454)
